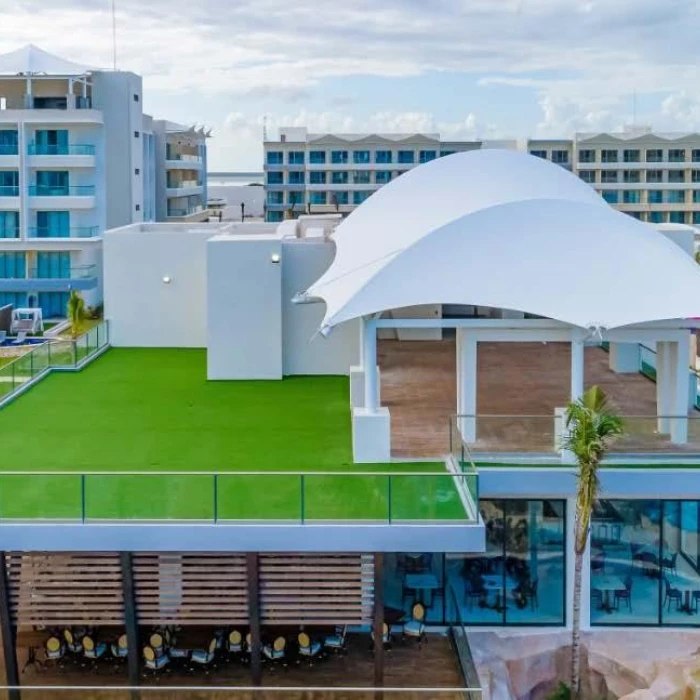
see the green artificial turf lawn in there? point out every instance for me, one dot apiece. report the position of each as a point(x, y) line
point(153, 410)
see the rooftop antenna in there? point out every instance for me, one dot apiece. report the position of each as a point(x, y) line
point(114, 34)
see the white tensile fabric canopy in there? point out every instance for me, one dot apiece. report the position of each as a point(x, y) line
point(508, 230)
point(32, 60)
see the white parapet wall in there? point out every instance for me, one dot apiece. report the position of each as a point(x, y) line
point(244, 307)
point(371, 436)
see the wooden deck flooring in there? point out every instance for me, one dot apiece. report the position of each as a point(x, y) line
point(418, 385)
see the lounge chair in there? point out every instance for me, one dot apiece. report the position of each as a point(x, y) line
point(91, 649)
point(21, 338)
point(415, 627)
point(204, 657)
point(276, 651)
point(235, 642)
point(336, 641)
point(308, 648)
point(120, 650)
point(153, 662)
point(55, 649)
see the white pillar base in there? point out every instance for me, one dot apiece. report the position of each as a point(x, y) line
point(371, 435)
point(357, 387)
point(624, 358)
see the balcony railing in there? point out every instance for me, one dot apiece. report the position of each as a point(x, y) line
point(73, 232)
point(61, 191)
point(183, 184)
point(9, 149)
point(61, 150)
point(80, 272)
point(391, 497)
point(9, 190)
point(542, 436)
point(184, 157)
point(186, 212)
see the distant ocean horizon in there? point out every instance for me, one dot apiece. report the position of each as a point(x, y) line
point(234, 179)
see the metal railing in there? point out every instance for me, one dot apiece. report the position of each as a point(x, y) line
point(216, 497)
point(460, 640)
point(80, 272)
point(73, 232)
point(61, 190)
point(30, 365)
point(36, 149)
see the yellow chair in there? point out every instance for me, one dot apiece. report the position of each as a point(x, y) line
point(308, 648)
point(235, 642)
point(120, 650)
point(415, 627)
point(386, 634)
point(205, 656)
point(156, 643)
point(75, 647)
point(277, 651)
point(91, 649)
point(54, 648)
point(153, 662)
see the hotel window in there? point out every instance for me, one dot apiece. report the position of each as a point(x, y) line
point(426, 156)
point(676, 217)
point(695, 175)
point(696, 218)
point(137, 134)
point(296, 198)
point(9, 224)
point(339, 177)
point(654, 155)
point(655, 196)
point(339, 157)
point(340, 198)
point(655, 176)
point(586, 155)
point(318, 197)
point(676, 176)
point(274, 158)
point(275, 178)
point(446, 153)
point(381, 177)
point(561, 157)
point(610, 196)
point(317, 177)
point(608, 176)
point(383, 157)
point(539, 154)
point(317, 157)
point(631, 197)
point(9, 183)
point(275, 198)
point(13, 266)
point(632, 176)
point(608, 155)
point(9, 142)
point(587, 176)
point(696, 155)
point(631, 155)
point(360, 157)
point(675, 196)
point(361, 177)
point(274, 216)
point(296, 177)
point(359, 197)
point(656, 217)
point(407, 157)
point(676, 155)
point(295, 157)
point(696, 196)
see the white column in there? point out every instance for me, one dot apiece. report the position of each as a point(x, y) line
point(369, 363)
point(679, 396)
point(576, 369)
point(466, 383)
point(663, 386)
point(624, 358)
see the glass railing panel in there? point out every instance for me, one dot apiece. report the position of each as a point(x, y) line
point(9, 191)
point(149, 497)
point(258, 497)
point(654, 434)
point(7, 378)
point(11, 149)
point(61, 150)
point(420, 497)
point(347, 497)
point(75, 232)
point(62, 353)
point(505, 434)
point(61, 191)
point(40, 496)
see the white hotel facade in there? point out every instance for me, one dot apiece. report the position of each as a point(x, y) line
point(654, 177)
point(78, 156)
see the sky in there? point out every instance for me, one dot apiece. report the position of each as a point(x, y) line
point(463, 68)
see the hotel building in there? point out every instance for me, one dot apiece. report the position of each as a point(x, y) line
point(78, 156)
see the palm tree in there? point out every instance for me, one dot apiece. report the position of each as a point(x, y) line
point(591, 428)
point(76, 312)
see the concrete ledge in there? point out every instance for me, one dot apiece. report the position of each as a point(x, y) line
point(357, 387)
point(371, 435)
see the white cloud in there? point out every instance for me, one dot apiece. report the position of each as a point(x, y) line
point(683, 109)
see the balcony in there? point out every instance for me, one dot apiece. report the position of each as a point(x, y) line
point(9, 155)
point(9, 197)
point(61, 156)
point(184, 188)
point(183, 161)
point(9, 190)
point(81, 277)
point(73, 232)
point(62, 196)
point(56, 150)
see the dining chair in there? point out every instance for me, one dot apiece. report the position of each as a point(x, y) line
point(308, 648)
point(415, 627)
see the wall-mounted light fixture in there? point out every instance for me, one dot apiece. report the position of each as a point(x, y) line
point(167, 279)
point(275, 258)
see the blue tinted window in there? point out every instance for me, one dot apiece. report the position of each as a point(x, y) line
point(274, 158)
point(275, 197)
point(359, 197)
point(275, 178)
point(340, 197)
point(360, 156)
point(655, 196)
point(446, 153)
point(407, 157)
point(317, 197)
point(339, 156)
point(426, 156)
point(676, 217)
point(295, 157)
point(381, 177)
point(656, 217)
point(317, 157)
point(631, 196)
point(296, 177)
point(383, 157)
point(339, 177)
point(611, 196)
point(317, 178)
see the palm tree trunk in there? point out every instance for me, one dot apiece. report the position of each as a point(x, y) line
point(576, 630)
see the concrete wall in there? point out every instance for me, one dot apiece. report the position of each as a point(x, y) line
point(142, 309)
point(244, 307)
point(306, 352)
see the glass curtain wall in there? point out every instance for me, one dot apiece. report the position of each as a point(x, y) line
point(644, 563)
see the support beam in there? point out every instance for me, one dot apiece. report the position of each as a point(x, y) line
point(379, 622)
point(664, 380)
point(577, 357)
point(253, 567)
point(131, 623)
point(9, 635)
point(679, 396)
point(369, 364)
point(467, 362)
